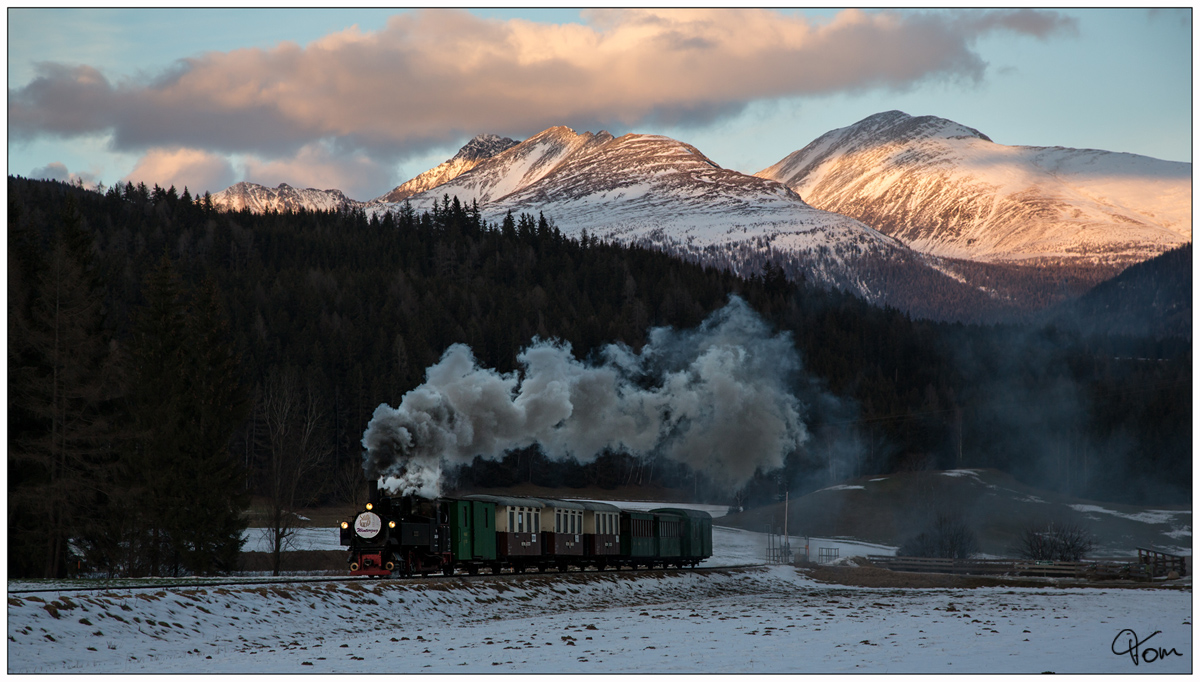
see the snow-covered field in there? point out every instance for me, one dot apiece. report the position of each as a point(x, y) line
point(757, 620)
point(749, 620)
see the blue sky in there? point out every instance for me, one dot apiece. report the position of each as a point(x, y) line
point(364, 99)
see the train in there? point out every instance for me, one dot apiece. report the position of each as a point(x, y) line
point(407, 536)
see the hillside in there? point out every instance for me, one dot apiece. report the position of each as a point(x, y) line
point(888, 509)
point(1152, 298)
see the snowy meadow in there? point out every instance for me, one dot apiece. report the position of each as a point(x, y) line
point(758, 619)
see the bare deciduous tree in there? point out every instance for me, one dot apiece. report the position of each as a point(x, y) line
point(350, 484)
point(294, 448)
point(1054, 541)
point(948, 537)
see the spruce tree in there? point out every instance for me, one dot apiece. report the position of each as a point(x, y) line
point(158, 407)
point(187, 401)
point(212, 500)
point(62, 392)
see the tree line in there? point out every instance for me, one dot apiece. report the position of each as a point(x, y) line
point(215, 357)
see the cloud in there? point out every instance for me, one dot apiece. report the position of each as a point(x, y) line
point(323, 166)
point(196, 169)
point(433, 77)
point(56, 170)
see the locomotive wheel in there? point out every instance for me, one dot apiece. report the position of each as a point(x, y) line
point(448, 570)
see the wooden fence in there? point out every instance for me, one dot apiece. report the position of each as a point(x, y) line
point(1161, 563)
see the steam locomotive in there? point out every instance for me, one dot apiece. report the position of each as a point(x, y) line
point(409, 536)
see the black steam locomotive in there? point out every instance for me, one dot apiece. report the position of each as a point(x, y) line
point(409, 536)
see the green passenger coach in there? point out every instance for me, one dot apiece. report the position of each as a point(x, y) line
point(497, 533)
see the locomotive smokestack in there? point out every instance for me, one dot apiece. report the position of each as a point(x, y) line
point(373, 491)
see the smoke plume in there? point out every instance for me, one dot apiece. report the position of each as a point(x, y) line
point(716, 398)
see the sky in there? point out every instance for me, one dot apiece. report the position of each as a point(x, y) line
point(363, 99)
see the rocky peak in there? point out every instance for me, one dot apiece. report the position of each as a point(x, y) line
point(484, 146)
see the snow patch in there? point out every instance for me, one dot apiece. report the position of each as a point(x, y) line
point(956, 473)
point(1154, 516)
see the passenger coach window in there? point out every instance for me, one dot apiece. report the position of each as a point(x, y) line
point(512, 523)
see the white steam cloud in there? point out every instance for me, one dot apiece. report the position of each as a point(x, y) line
point(716, 398)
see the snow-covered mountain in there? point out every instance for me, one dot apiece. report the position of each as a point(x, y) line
point(948, 190)
point(656, 191)
point(480, 148)
point(923, 214)
point(284, 198)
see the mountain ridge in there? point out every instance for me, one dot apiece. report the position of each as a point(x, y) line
point(654, 191)
point(259, 199)
point(924, 226)
point(480, 148)
point(948, 190)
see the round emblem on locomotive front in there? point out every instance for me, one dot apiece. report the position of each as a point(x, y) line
point(368, 525)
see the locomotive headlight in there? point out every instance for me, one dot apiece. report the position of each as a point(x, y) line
point(391, 524)
point(370, 506)
point(345, 525)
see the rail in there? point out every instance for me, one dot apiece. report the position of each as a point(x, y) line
point(192, 583)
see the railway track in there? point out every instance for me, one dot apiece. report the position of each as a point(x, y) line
point(192, 583)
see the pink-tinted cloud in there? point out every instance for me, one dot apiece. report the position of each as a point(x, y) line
point(198, 170)
point(319, 166)
point(433, 76)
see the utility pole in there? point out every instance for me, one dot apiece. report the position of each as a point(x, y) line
point(787, 540)
point(959, 415)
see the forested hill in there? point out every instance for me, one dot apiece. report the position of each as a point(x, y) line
point(1153, 297)
point(343, 314)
